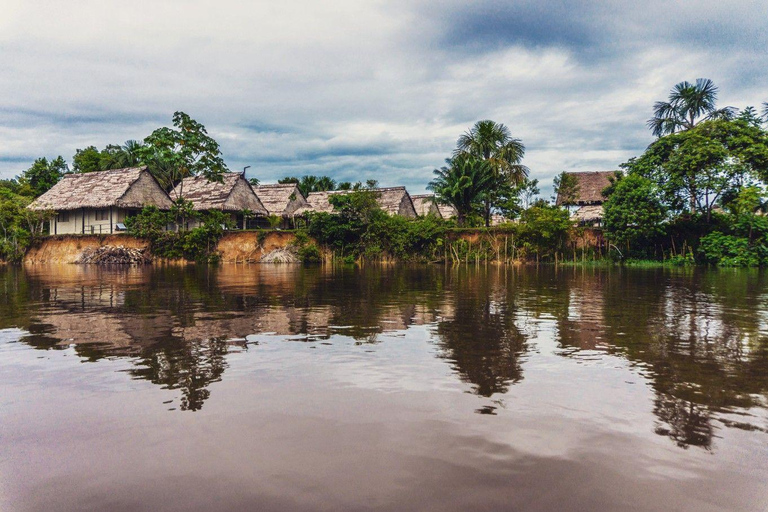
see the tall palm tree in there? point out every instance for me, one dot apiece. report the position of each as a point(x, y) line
point(688, 104)
point(463, 183)
point(493, 143)
point(765, 112)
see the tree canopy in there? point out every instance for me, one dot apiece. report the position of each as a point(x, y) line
point(41, 176)
point(687, 104)
point(493, 143)
point(173, 154)
point(695, 168)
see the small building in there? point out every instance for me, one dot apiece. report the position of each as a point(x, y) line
point(233, 195)
point(425, 204)
point(100, 202)
point(282, 200)
point(587, 208)
point(393, 200)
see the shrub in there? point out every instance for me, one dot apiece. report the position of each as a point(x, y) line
point(732, 251)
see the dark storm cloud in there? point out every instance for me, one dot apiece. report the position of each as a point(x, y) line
point(484, 26)
point(603, 28)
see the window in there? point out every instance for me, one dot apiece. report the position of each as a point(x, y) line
point(102, 214)
point(63, 217)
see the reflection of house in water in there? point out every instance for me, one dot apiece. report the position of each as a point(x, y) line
point(179, 324)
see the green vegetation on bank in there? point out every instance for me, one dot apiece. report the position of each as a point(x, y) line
point(196, 244)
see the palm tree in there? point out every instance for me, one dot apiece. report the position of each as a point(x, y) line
point(765, 112)
point(492, 142)
point(119, 157)
point(688, 104)
point(463, 183)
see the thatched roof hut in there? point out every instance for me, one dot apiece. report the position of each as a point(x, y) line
point(447, 211)
point(232, 194)
point(425, 204)
point(281, 199)
point(393, 200)
point(591, 215)
point(318, 202)
point(590, 187)
point(129, 188)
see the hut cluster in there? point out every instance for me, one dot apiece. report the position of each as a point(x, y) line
point(100, 202)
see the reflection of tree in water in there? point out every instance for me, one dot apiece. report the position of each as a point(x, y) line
point(685, 422)
point(480, 338)
point(697, 337)
point(188, 365)
point(173, 321)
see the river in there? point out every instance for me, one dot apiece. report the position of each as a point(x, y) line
point(388, 388)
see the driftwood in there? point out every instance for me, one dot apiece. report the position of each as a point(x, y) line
point(114, 255)
point(281, 255)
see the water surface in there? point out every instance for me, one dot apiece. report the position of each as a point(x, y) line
point(426, 388)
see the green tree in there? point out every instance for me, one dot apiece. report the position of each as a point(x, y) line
point(695, 168)
point(633, 211)
point(687, 105)
point(86, 160)
point(41, 176)
point(463, 184)
point(120, 157)
point(527, 191)
point(310, 183)
point(493, 143)
point(566, 188)
point(544, 229)
point(113, 156)
point(188, 150)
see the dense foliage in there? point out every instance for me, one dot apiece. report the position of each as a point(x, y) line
point(359, 229)
point(197, 244)
point(698, 192)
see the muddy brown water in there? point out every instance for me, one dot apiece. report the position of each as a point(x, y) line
point(427, 388)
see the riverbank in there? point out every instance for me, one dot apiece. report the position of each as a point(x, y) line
point(479, 245)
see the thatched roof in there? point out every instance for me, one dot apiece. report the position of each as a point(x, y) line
point(425, 204)
point(591, 186)
point(318, 202)
point(132, 187)
point(447, 211)
point(393, 200)
point(281, 199)
point(233, 194)
point(587, 214)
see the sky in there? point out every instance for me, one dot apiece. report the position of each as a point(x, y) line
point(361, 89)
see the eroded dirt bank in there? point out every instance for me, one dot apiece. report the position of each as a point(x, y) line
point(234, 247)
point(69, 248)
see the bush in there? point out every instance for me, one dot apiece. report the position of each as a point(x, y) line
point(310, 253)
point(544, 229)
point(360, 229)
point(197, 244)
point(732, 251)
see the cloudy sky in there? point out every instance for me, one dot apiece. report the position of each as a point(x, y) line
point(366, 89)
